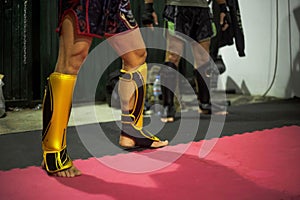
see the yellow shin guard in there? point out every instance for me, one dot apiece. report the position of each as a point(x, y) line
point(132, 90)
point(56, 111)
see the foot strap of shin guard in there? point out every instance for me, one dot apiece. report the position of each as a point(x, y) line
point(141, 137)
point(139, 141)
point(56, 161)
point(132, 120)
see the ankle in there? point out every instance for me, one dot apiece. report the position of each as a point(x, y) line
point(126, 141)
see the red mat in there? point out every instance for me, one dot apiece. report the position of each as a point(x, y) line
point(258, 165)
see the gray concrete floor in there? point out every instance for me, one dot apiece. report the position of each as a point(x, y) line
point(26, 119)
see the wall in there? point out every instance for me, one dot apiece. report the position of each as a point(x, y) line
point(16, 50)
point(269, 68)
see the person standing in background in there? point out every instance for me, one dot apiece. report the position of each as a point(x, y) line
point(193, 19)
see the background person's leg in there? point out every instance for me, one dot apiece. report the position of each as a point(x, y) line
point(202, 64)
point(206, 77)
point(169, 78)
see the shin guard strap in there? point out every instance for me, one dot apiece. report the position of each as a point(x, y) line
point(141, 137)
point(57, 160)
point(129, 128)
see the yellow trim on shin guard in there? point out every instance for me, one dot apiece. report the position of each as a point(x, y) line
point(132, 118)
point(137, 77)
point(56, 111)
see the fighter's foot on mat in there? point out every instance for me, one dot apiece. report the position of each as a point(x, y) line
point(167, 119)
point(68, 173)
point(129, 143)
point(206, 112)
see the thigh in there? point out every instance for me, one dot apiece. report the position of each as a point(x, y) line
point(174, 48)
point(201, 52)
point(73, 48)
point(98, 18)
point(189, 22)
point(130, 47)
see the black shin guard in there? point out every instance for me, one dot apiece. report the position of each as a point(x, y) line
point(168, 76)
point(202, 77)
point(207, 78)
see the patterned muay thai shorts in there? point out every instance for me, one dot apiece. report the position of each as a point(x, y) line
point(98, 18)
point(194, 22)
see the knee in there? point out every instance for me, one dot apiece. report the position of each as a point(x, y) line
point(135, 58)
point(202, 60)
point(141, 55)
point(173, 58)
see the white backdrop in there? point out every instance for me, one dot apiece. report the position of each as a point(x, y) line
point(266, 69)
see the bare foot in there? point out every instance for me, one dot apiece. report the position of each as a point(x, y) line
point(69, 173)
point(167, 119)
point(159, 144)
point(200, 111)
point(129, 143)
point(221, 113)
point(206, 112)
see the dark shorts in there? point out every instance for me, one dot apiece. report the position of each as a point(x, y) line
point(194, 22)
point(98, 18)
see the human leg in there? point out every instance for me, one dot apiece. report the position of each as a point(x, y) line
point(206, 77)
point(73, 49)
point(169, 76)
point(132, 88)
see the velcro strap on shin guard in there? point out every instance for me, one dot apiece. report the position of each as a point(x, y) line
point(141, 137)
point(138, 132)
point(57, 160)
